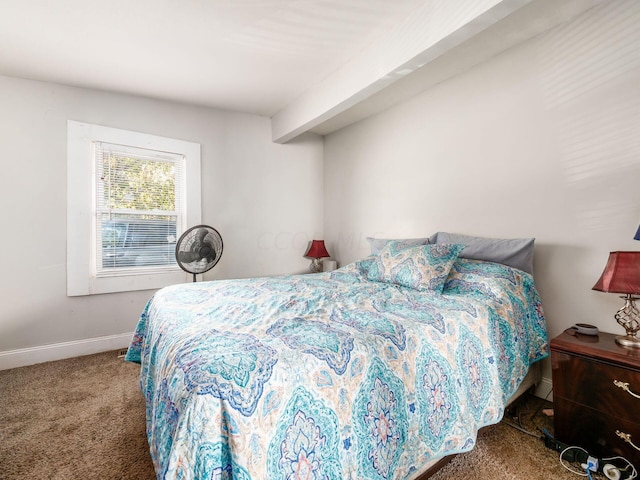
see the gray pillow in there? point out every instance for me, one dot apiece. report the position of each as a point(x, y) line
point(514, 252)
point(377, 244)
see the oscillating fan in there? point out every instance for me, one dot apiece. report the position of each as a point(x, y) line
point(198, 249)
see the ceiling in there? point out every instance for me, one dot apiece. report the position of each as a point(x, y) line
point(308, 64)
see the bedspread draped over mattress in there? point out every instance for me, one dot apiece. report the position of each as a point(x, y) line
point(331, 376)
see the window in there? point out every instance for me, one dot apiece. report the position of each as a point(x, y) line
point(131, 195)
point(138, 209)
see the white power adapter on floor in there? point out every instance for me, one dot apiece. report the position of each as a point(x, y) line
point(611, 472)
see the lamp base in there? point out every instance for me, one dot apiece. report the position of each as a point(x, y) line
point(629, 318)
point(629, 341)
point(316, 265)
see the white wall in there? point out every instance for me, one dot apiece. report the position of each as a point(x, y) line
point(542, 141)
point(265, 199)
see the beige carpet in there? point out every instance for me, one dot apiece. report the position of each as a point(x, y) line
point(83, 418)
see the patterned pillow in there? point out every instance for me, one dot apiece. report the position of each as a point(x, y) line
point(424, 267)
point(364, 265)
point(377, 244)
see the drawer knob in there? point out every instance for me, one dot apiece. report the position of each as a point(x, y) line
point(625, 387)
point(627, 438)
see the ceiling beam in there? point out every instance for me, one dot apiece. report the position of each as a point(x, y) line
point(529, 21)
point(428, 33)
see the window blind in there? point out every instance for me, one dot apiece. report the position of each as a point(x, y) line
point(139, 209)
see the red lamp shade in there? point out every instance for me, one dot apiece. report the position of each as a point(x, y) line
point(621, 274)
point(317, 250)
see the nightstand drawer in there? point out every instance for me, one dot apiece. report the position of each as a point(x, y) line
point(595, 431)
point(598, 385)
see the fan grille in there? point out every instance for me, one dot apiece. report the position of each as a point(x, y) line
point(199, 249)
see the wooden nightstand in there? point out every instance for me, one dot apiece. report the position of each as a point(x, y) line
point(592, 406)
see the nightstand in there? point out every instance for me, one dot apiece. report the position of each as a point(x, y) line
point(596, 395)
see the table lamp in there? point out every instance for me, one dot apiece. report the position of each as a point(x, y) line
point(315, 252)
point(622, 275)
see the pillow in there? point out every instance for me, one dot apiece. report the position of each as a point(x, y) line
point(515, 252)
point(424, 267)
point(377, 244)
point(365, 264)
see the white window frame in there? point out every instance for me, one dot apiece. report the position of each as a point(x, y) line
point(81, 138)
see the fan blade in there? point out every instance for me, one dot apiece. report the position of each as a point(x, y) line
point(202, 233)
point(188, 257)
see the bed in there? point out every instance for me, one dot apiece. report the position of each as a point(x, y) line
point(377, 370)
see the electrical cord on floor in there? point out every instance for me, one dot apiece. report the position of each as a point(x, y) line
point(614, 472)
point(520, 429)
point(519, 426)
point(546, 398)
point(573, 458)
point(582, 473)
point(609, 467)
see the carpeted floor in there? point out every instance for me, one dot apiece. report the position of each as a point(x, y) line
point(83, 418)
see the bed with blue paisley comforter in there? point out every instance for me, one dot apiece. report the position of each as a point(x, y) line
point(332, 375)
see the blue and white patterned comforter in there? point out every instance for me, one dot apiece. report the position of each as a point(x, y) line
point(331, 376)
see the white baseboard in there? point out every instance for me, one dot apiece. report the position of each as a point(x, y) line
point(58, 351)
point(544, 389)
